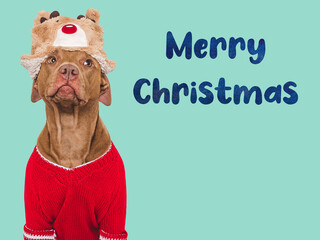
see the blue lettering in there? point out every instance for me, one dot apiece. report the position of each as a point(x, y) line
point(293, 94)
point(172, 46)
point(261, 50)
point(137, 91)
point(222, 91)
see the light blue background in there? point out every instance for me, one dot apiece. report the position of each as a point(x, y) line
point(224, 172)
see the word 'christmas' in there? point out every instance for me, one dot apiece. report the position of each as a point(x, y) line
point(204, 93)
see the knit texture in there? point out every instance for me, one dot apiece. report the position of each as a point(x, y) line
point(87, 202)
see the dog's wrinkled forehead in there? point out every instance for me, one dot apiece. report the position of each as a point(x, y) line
point(62, 57)
point(51, 30)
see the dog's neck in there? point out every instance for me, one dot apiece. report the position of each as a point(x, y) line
point(73, 135)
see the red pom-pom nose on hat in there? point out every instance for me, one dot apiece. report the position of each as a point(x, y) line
point(69, 29)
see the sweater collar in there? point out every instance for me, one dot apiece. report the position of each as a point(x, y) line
point(78, 172)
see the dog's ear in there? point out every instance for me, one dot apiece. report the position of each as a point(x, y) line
point(35, 96)
point(93, 14)
point(105, 90)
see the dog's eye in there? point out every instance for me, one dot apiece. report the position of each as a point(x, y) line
point(52, 60)
point(88, 63)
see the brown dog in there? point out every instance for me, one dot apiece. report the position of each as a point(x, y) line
point(75, 186)
point(71, 84)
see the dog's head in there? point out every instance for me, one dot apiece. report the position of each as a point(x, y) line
point(67, 61)
point(71, 77)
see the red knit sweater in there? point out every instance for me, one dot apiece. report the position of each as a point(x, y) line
point(87, 202)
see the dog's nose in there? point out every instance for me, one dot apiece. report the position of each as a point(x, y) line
point(69, 71)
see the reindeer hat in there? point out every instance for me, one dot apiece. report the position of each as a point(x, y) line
point(51, 31)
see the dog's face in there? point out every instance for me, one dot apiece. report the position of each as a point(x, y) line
point(71, 78)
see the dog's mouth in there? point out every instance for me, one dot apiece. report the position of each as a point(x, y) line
point(66, 93)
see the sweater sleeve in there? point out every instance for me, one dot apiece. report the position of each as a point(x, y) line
point(112, 225)
point(37, 225)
